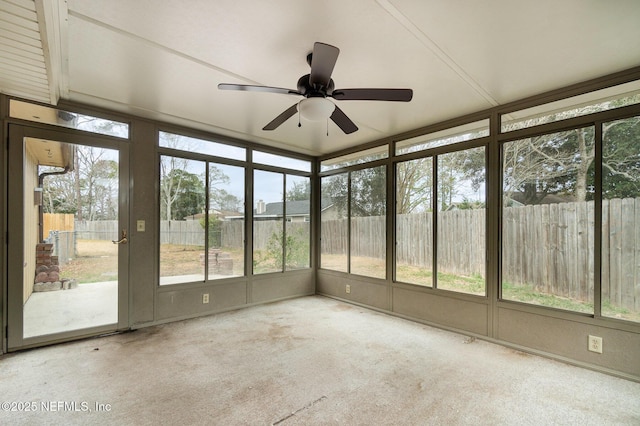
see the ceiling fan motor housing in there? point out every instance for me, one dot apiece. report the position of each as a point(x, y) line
point(307, 90)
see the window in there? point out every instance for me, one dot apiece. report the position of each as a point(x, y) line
point(576, 106)
point(461, 221)
point(202, 146)
point(548, 220)
point(203, 219)
point(353, 229)
point(225, 221)
point(368, 202)
point(298, 226)
point(281, 224)
point(334, 226)
point(268, 224)
point(196, 240)
point(466, 132)
point(281, 161)
point(621, 219)
point(182, 231)
point(414, 221)
point(58, 117)
point(359, 157)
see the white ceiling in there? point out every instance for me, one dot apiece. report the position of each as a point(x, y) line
point(164, 59)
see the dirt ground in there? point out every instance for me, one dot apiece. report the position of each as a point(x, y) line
point(97, 261)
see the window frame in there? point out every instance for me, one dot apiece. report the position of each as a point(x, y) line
point(252, 167)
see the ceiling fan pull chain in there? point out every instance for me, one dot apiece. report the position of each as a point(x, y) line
point(327, 127)
point(299, 123)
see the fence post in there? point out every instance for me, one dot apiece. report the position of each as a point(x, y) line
point(56, 243)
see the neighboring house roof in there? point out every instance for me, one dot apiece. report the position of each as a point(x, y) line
point(326, 203)
point(294, 208)
point(222, 214)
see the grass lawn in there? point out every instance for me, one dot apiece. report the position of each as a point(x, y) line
point(526, 293)
point(96, 261)
point(475, 284)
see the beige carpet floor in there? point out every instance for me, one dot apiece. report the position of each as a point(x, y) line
point(308, 361)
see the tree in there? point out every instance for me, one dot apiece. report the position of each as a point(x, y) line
point(98, 125)
point(300, 191)
point(96, 174)
point(369, 192)
point(557, 163)
point(335, 192)
point(218, 197)
point(563, 162)
point(296, 249)
point(215, 230)
point(182, 194)
point(89, 191)
point(621, 158)
point(171, 184)
point(414, 180)
point(58, 192)
point(104, 187)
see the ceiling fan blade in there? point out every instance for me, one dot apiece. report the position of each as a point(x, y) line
point(281, 118)
point(398, 95)
point(250, 88)
point(344, 122)
point(323, 60)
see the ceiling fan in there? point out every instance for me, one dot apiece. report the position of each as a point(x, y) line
point(317, 86)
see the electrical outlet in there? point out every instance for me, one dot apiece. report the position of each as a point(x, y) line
point(347, 288)
point(205, 298)
point(595, 344)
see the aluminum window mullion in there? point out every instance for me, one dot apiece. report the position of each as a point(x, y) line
point(434, 218)
point(348, 222)
point(597, 240)
point(206, 221)
point(284, 222)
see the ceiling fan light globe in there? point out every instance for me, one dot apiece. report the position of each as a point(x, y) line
point(316, 109)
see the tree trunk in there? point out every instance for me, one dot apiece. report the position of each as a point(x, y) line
point(582, 170)
point(76, 173)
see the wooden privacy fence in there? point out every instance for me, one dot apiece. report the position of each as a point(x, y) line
point(182, 232)
point(191, 233)
point(368, 236)
point(548, 246)
point(461, 242)
point(556, 244)
point(263, 230)
point(56, 222)
point(232, 234)
point(461, 235)
point(621, 252)
point(97, 230)
point(179, 232)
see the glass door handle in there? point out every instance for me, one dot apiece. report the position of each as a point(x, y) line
point(123, 239)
